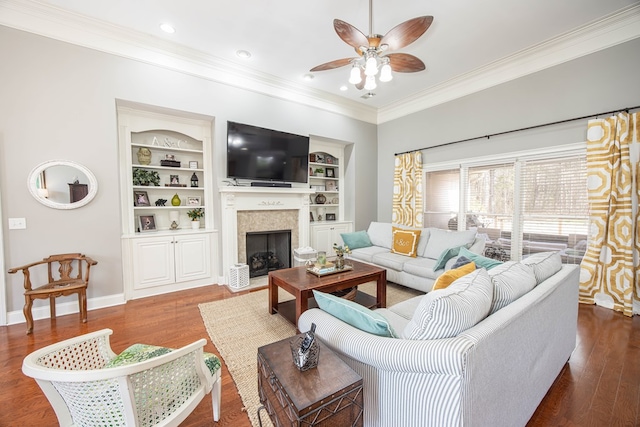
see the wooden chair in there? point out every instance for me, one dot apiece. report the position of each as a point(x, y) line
point(62, 283)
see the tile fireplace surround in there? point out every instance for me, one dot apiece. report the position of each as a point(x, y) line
point(261, 209)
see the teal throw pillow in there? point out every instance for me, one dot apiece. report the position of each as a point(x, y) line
point(481, 261)
point(445, 256)
point(354, 314)
point(356, 240)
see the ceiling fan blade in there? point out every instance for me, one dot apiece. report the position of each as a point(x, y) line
point(406, 33)
point(331, 65)
point(350, 34)
point(405, 63)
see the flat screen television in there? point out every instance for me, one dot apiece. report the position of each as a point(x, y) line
point(260, 154)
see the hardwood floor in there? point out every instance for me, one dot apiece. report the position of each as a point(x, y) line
point(600, 386)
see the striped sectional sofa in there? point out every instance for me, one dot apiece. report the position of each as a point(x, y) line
point(414, 272)
point(486, 356)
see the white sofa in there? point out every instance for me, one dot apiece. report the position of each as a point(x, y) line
point(494, 373)
point(417, 273)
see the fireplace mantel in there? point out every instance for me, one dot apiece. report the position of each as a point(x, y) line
point(266, 199)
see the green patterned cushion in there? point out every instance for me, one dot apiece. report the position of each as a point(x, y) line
point(141, 352)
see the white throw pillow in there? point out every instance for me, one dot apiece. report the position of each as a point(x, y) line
point(545, 264)
point(440, 240)
point(447, 312)
point(510, 280)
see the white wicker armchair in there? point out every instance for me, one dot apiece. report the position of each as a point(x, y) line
point(87, 384)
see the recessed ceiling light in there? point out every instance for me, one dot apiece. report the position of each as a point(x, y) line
point(244, 54)
point(344, 88)
point(167, 28)
point(308, 77)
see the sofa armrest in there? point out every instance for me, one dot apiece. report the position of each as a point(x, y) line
point(444, 356)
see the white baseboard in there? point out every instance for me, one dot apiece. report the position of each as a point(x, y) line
point(70, 307)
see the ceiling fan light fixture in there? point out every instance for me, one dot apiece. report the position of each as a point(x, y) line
point(354, 77)
point(371, 66)
point(385, 72)
point(370, 83)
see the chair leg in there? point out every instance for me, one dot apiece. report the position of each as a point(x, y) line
point(82, 300)
point(52, 306)
point(27, 314)
point(216, 394)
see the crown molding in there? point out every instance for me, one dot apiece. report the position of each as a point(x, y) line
point(46, 20)
point(609, 31)
point(59, 24)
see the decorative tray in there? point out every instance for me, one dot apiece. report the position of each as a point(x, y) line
point(315, 273)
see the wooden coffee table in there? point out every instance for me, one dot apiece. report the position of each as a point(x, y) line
point(300, 283)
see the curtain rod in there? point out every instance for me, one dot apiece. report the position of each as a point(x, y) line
point(520, 130)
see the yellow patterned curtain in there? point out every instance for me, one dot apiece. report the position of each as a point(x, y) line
point(407, 190)
point(609, 271)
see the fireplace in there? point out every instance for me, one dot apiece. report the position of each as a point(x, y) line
point(268, 251)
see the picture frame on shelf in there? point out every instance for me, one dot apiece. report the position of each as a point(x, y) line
point(328, 160)
point(312, 157)
point(193, 164)
point(330, 186)
point(194, 201)
point(147, 223)
point(169, 156)
point(311, 218)
point(141, 198)
point(329, 172)
point(330, 217)
point(174, 180)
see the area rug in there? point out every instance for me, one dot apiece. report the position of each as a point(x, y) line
point(239, 325)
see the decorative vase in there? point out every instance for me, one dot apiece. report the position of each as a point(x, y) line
point(144, 156)
point(195, 225)
point(340, 261)
point(175, 200)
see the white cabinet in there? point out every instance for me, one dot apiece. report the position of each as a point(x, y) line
point(172, 150)
point(166, 260)
point(323, 236)
point(326, 175)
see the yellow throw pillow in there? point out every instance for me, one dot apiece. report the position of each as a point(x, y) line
point(448, 277)
point(405, 242)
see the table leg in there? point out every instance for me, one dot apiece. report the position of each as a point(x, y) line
point(273, 296)
point(302, 304)
point(381, 290)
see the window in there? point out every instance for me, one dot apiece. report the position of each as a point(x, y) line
point(520, 206)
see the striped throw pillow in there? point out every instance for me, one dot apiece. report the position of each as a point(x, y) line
point(510, 280)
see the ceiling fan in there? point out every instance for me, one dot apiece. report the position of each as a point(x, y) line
point(371, 48)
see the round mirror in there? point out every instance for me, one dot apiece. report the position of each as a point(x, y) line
point(62, 184)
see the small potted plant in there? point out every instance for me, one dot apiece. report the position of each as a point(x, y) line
point(195, 215)
point(319, 171)
point(145, 177)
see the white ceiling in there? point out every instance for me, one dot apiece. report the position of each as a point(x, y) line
point(288, 37)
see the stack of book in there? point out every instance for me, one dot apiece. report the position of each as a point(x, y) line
point(328, 267)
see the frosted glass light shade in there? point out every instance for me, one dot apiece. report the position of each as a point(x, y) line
point(371, 66)
point(370, 83)
point(385, 73)
point(174, 216)
point(354, 77)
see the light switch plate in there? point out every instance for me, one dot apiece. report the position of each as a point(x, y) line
point(17, 223)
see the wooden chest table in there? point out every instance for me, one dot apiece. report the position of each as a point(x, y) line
point(329, 395)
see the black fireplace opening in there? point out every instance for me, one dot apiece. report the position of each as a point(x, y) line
point(268, 251)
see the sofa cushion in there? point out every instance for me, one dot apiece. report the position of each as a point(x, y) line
point(448, 277)
point(422, 267)
point(445, 256)
point(447, 312)
point(390, 260)
point(405, 308)
point(460, 262)
point(441, 240)
point(405, 241)
point(356, 240)
point(380, 234)
point(354, 314)
point(510, 280)
point(395, 320)
point(367, 254)
point(545, 264)
point(481, 261)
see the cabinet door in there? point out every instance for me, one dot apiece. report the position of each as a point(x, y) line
point(337, 230)
point(322, 239)
point(193, 257)
point(153, 262)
